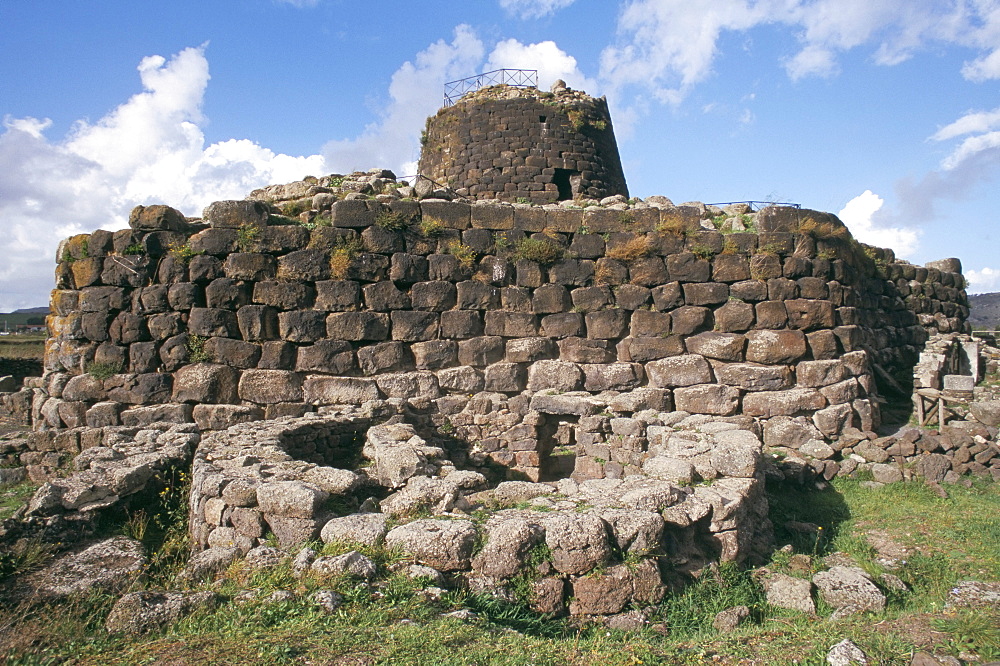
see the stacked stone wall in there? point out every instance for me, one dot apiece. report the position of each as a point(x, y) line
point(526, 332)
point(508, 143)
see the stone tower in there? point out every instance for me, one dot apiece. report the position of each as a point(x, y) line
point(510, 143)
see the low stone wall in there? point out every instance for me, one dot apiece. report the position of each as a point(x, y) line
point(571, 540)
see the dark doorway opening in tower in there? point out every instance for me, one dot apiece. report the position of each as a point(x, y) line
point(568, 182)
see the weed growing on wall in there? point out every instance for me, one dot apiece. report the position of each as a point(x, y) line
point(295, 208)
point(674, 225)
point(391, 221)
point(631, 250)
point(196, 349)
point(342, 255)
point(183, 252)
point(135, 249)
point(430, 228)
point(702, 251)
point(541, 250)
point(246, 237)
point(103, 370)
point(466, 255)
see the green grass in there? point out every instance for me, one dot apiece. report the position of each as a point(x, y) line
point(12, 497)
point(22, 346)
point(392, 621)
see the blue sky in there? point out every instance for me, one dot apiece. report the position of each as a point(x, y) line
point(883, 111)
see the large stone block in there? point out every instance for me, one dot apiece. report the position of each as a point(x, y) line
point(220, 417)
point(783, 403)
point(481, 351)
point(562, 325)
point(157, 218)
point(258, 322)
point(335, 295)
point(643, 350)
point(805, 314)
point(435, 354)
point(511, 324)
point(554, 375)
point(775, 347)
point(716, 399)
point(335, 357)
point(270, 386)
point(250, 266)
point(303, 325)
point(206, 383)
point(319, 390)
point(612, 376)
point(213, 322)
point(141, 389)
point(413, 325)
point(385, 357)
point(720, 346)
point(236, 214)
point(685, 370)
point(750, 377)
point(285, 295)
point(582, 350)
point(436, 296)
point(607, 324)
point(308, 265)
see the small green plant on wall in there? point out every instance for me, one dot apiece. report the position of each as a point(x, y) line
point(196, 349)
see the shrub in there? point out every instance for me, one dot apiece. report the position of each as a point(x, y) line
point(466, 255)
point(183, 252)
point(391, 221)
point(134, 249)
point(196, 349)
point(103, 370)
point(672, 225)
point(702, 251)
point(811, 227)
point(631, 250)
point(343, 254)
point(541, 250)
point(430, 228)
point(295, 208)
point(246, 237)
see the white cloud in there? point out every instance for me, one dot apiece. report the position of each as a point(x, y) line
point(860, 213)
point(150, 149)
point(668, 46)
point(415, 93)
point(528, 9)
point(983, 281)
point(984, 126)
point(970, 123)
point(551, 62)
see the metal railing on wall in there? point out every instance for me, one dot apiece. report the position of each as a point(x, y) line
point(756, 205)
point(517, 78)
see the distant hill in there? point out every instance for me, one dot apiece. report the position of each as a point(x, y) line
point(985, 311)
point(42, 310)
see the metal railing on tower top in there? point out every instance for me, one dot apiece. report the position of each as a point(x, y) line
point(517, 78)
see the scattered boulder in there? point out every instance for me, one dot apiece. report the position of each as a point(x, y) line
point(850, 589)
point(110, 565)
point(730, 619)
point(147, 610)
point(785, 591)
point(846, 653)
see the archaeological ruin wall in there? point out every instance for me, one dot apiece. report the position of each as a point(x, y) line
point(541, 337)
